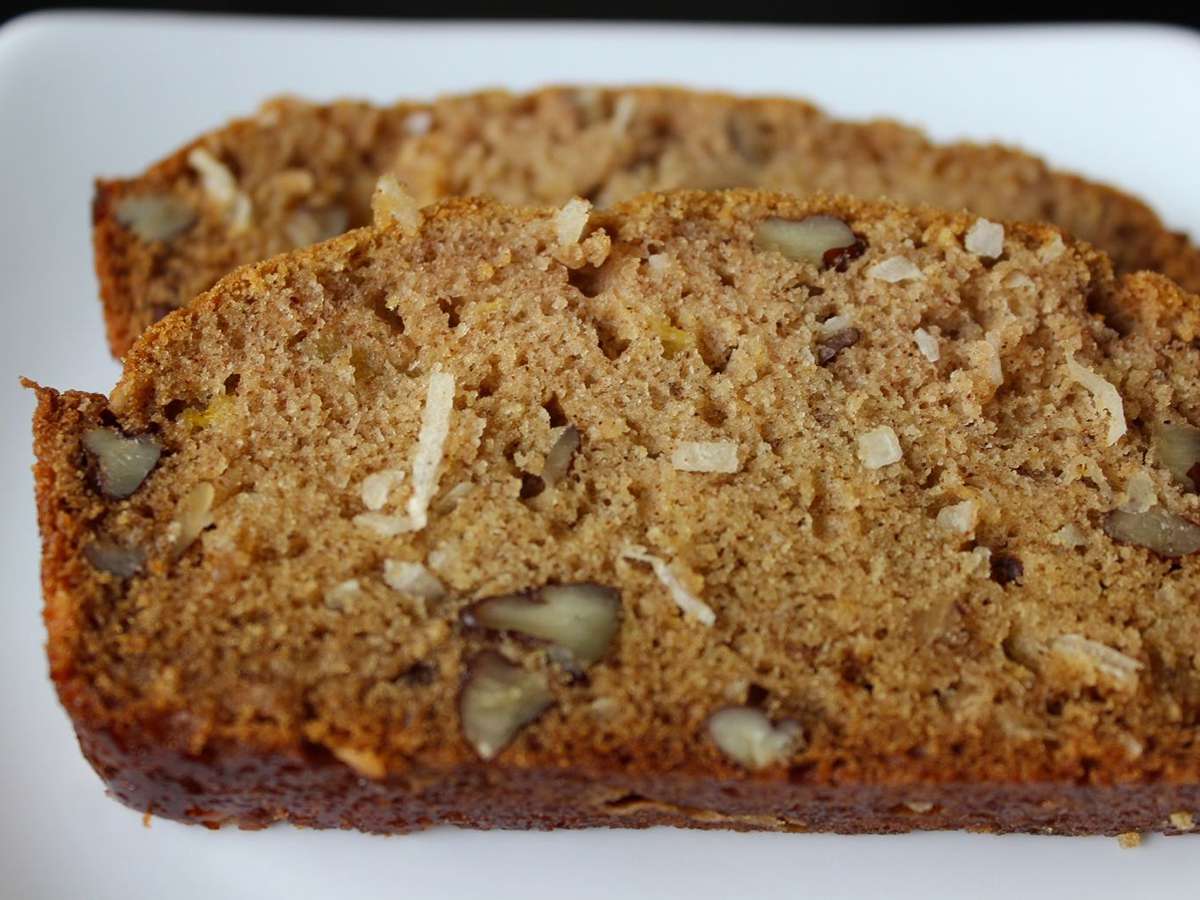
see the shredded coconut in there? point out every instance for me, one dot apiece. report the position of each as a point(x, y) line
point(835, 324)
point(192, 516)
point(927, 344)
point(1052, 249)
point(418, 123)
point(1070, 536)
point(1104, 394)
point(562, 452)
point(985, 238)
point(383, 525)
point(392, 203)
point(221, 187)
point(705, 456)
point(1019, 280)
point(377, 486)
point(995, 370)
point(412, 578)
point(343, 594)
point(895, 269)
point(1102, 659)
point(687, 601)
point(1182, 820)
point(623, 111)
point(1140, 493)
point(958, 517)
point(570, 221)
point(431, 442)
point(657, 263)
point(879, 447)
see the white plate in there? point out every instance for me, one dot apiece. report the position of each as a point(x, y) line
point(82, 95)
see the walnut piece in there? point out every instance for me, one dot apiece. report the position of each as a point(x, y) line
point(498, 699)
point(1155, 529)
point(109, 556)
point(155, 217)
point(580, 618)
point(817, 240)
point(124, 462)
point(746, 736)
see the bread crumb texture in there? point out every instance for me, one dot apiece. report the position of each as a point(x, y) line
point(298, 173)
point(895, 567)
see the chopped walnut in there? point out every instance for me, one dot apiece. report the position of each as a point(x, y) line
point(123, 462)
point(155, 217)
point(819, 240)
point(498, 699)
point(581, 619)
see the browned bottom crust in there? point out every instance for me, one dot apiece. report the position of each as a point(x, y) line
point(308, 787)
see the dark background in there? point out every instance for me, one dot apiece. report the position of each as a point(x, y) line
point(846, 12)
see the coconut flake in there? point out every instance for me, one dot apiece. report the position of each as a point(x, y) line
point(155, 217)
point(222, 188)
point(687, 601)
point(927, 344)
point(1052, 249)
point(412, 578)
point(192, 516)
point(879, 447)
point(1140, 493)
point(418, 123)
point(746, 735)
point(343, 594)
point(623, 111)
point(1104, 394)
point(958, 517)
point(383, 525)
point(431, 443)
point(985, 238)
point(562, 452)
point(1101, 659)
point(391, 203)
point(658, 263)
point(570, 221)
point(377, 486)
point(1070, 536)
point(995, 371)
point(705, 456)
point(895, 269)
point(835, 324)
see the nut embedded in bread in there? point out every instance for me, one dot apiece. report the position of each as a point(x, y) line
point(759, 586)
point(298, 173)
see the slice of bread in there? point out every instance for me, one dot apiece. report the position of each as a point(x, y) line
point(297, 173)
point(723, 510)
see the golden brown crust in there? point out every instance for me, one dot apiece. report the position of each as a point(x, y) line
point(916, 676)
point(545, 147)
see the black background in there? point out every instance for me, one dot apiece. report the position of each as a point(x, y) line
point(848, 12)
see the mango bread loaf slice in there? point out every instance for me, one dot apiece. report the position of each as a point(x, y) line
point(298, 173)
point(719, 510)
